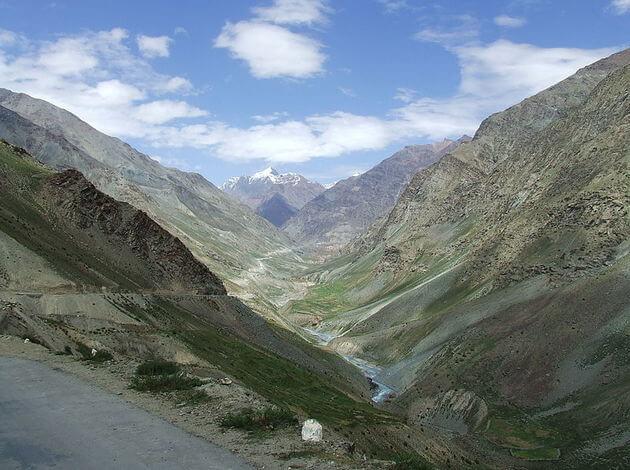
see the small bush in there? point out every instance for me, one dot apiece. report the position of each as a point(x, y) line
point(164, 383)
point(194, 397)
point(157, 367)
point(257, 420)
point(86, 354)
point(410, 462)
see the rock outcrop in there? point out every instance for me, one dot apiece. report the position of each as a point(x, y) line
point(74, 201)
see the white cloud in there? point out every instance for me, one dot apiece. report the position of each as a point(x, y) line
point(272, 51)
point(289, 141)
point(96, 76)
point(7, 37)
point(459, 29)
point(162, 111)
point(154, 46)
point(99, 78)
point(504, 68)
point(621, 6)
point(296, 12)
point(406, 95)
point(349, 92)
point(507, 21)
point(494, 76)
point(175, 84)
point(392, 6)
point(68, 56)
point(267, 118)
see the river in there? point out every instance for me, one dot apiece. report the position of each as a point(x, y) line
point(371, 371)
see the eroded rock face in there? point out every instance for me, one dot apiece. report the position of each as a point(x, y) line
point(461, 411)
point(73, 200)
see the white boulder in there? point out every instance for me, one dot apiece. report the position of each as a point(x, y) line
point(311, 431)
point(94, 351)
point(26, 340)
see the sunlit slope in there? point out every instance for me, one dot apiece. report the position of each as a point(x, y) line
point(504, 270)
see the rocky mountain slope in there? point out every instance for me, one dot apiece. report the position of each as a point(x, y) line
point(495, 294)
point(82, 270)
point(352, 205)
point(225, 235)
point(62, 213)
point(276, 209)
point(259, 188)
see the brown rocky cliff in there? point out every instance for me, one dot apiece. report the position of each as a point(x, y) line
point(73, 200)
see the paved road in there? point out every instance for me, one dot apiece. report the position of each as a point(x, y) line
point(49, 419)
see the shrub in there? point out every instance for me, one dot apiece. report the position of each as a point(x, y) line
point(86, 354)
point(194, 397)
point(157, 367)
point(410, 462)
point(256, 420)
point(163, 383)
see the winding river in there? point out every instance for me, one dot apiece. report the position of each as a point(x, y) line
point(380, 390)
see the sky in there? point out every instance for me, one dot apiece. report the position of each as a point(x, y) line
point(325, 88)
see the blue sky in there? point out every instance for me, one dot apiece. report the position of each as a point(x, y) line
point(324, 88)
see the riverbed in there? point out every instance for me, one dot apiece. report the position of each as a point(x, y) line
point(371, 371)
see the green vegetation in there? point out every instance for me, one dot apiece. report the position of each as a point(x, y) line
point(157, 367)
point(86, 354)
point(521, 433)
point(410, 462)
point(254, 421)
point(21, 164)
point(283, 382)
point(541, 453)
point(164, 383)
point(158, 375)
point(193, 397)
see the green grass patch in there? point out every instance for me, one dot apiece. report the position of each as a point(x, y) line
point(541, 453)
point(410, 462)
point(253, 421)
point(164, 383)
point(520, 433)
point(157, 367)
point(193, 397)
point(283, 382)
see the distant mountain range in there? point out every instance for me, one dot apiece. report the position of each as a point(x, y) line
point(351, 206)
point(261, 189)
point(225, 235)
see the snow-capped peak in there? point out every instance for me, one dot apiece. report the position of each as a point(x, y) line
point(268, 172)
point(264, 177)
point(230, 183)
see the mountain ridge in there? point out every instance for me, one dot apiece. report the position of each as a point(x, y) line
point(257, 189)
point(351, 206)
point(500, 277)
point(224, 234)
